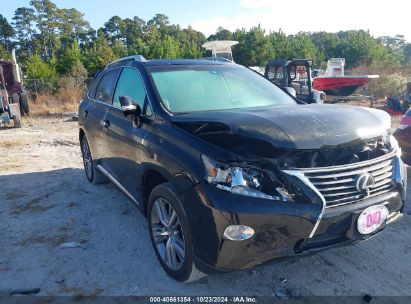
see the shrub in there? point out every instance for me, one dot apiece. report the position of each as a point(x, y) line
point(388, 85)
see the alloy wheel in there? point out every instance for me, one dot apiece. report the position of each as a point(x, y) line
point(87, 160)
point(167, 234)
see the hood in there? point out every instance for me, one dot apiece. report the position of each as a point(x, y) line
point(291, 127)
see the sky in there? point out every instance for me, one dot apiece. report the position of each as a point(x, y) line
point(379, 17)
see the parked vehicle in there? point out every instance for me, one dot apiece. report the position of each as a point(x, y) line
point(231, 171)
point(13, 97)
point(335, 82)
point(403, 135)
point(294, 76)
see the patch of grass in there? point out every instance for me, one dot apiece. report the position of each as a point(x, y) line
point(48, 105)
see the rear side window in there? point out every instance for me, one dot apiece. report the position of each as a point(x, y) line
point(131, 85)
point(106, 86)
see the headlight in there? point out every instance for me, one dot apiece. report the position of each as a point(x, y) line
point(242, 180)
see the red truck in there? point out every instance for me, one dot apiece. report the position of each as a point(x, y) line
point(13, 98)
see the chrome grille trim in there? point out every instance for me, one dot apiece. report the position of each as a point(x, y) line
point(348, 173)
point(350, 166)
point(336, 185)
point(306, 181)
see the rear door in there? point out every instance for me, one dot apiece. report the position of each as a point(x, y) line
point(123, 140)
point(95, 108)
point(98, 100)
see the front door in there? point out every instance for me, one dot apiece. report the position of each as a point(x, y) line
point(123, 140)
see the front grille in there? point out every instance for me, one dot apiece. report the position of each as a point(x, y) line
point(338, 184)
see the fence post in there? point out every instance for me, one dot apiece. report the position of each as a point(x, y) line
point(35, 87)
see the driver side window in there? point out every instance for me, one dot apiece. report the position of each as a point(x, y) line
point(130, 84)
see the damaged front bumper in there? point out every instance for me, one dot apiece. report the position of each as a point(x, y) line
point(282, 229)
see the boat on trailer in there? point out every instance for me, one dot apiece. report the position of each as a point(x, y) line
point(335, 82)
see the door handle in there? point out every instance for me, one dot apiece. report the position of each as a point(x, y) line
point(106, 123)
point(85, 114)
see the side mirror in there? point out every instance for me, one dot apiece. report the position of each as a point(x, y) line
point(129, 106)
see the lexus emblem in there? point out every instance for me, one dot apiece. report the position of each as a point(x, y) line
point(364, 182)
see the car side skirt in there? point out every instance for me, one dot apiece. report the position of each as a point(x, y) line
point(120, 186)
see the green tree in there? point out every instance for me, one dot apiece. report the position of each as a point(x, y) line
point(113, 29)
point(119, 49)
point(302, 46)
point(139, 47)
point(72, 26)
point(24, 26)
point(47, 22)
point(4, 54)
point(190, 43)
point(132, 31)
point(160, 22)
point(78, 70)
point(357, 47)
point(6, 31)
point(38, 69)
point(67, 57)
point(254, 48)
point(221, 34)
point(171, 48)
point(326, 45)
point(281, 44)
point(98, 56)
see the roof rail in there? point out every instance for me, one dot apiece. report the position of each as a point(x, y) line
point(216, 58)
point(136, 57)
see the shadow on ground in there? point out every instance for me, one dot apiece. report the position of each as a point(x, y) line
point(40, 211)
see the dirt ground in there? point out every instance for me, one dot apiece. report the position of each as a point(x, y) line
point(45, 201)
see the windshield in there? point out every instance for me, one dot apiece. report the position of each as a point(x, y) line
point(193, 88)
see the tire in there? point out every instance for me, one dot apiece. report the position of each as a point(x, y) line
point(24, 103)
point(93, 175)
point(15, 98)
point(175, 235)
point(17, 121)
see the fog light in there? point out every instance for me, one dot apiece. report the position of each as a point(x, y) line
point(238, 232)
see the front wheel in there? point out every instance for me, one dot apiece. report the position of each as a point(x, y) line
point(170, 235)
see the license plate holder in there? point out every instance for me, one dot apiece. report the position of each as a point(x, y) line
point(372, 219)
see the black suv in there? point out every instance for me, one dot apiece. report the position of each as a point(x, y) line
point(230, 170)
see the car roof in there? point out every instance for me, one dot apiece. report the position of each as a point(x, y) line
point(165, 62)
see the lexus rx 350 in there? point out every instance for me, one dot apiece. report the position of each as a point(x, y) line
point(230, 170)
